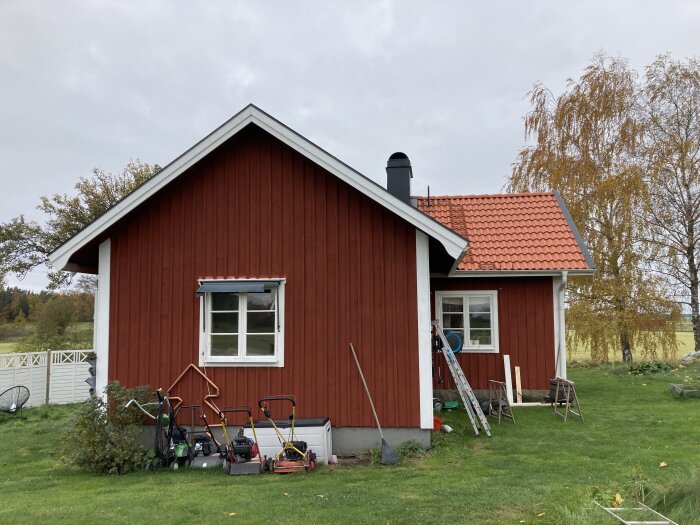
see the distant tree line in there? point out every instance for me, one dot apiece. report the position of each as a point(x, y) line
point(20, 306)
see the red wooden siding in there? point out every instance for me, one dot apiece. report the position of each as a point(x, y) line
point(525, 331)
point(256, 208)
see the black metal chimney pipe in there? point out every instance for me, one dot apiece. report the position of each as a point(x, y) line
point(398, 176)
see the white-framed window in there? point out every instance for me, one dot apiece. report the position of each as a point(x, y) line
point(473, 315)
point(241, 322)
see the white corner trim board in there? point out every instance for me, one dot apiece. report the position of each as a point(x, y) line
point(453, 243)
point(559, 306)
point(425, 364)
point(101, 335)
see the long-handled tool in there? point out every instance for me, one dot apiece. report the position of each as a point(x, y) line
point(389, 457)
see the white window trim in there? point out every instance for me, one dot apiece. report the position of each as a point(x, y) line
point(467, 347)
point(256, 361)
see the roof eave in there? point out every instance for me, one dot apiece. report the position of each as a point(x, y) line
point(574, 230)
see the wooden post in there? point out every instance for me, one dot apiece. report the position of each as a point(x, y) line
point(518, 389)
point(509, 378)
point(48, 376)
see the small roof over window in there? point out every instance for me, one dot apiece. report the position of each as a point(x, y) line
point(233, 286)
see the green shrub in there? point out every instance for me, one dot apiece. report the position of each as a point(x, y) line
point(104, 436)
point(649, 367)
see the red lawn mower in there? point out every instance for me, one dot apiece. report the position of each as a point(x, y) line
point(242, 453)
point(294, 455)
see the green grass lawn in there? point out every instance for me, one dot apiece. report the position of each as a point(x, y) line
point(540, 470)
point(6, 347)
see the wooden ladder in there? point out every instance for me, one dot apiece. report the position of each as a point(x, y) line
point(471, 404)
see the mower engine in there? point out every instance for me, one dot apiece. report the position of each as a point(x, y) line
point(244, 449)
point(293, 455)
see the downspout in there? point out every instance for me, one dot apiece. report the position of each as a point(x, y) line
point(561, 351)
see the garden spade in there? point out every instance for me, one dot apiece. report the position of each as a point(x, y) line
point(389, 457)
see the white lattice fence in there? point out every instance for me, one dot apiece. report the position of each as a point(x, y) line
point(68, 372)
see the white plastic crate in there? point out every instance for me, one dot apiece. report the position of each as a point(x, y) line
point(316, 433)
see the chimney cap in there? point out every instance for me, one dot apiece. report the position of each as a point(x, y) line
point(398, 160)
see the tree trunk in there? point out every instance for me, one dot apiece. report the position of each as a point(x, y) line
point(626, 345)
point(625, 342)
point(694, 307)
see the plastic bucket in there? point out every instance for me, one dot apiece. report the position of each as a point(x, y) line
point(437, 424)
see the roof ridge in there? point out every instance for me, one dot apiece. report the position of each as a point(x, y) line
point(483, 195)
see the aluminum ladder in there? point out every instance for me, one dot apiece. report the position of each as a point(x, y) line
point(659, 519)
point(471, 404)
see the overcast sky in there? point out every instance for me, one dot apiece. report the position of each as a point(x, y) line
point(86, 84)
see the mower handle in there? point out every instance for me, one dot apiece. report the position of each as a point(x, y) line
point(266, 410)
point(291, 399)
point(236, 409)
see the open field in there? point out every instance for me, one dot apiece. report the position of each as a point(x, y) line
point(8, 345)
point(540, 470)
point(685, 345)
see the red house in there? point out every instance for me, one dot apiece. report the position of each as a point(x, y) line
point(260, 256)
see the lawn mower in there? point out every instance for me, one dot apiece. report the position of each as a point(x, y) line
point(242, 453)
point(170, 442)
point(206, 450)
point(294, 455)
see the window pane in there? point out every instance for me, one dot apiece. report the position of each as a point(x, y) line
point(261, 322)
point(224, 345)
point(479, 304)
point(224, 301)
point(226, 323)
point(452, 304)
point(261, 301)
point(450, 321)
point(479, 321)
point(482, 336)
point(261, 345)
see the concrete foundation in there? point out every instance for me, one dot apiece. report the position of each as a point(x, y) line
point(347, 441)
point(355, 440)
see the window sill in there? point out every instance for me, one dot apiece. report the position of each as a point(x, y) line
point(272, 363)
point(478, 350)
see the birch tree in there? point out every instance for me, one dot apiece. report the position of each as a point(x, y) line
point(586, 144)
point(671, 113)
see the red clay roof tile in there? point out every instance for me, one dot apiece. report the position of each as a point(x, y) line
point(512, 231)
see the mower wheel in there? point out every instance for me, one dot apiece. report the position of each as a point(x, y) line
point(174, 465)
point(271, 465)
